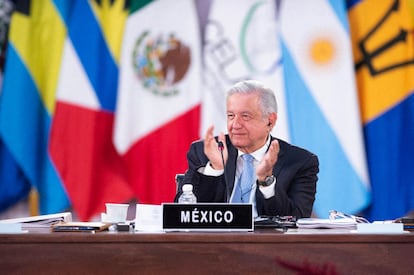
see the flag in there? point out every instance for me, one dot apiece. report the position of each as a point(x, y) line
point(158, 107)
point(81, 138)
point(28, 97)
point(383, 43)
point(242, 46)
point(13, 184)
point(322, 101)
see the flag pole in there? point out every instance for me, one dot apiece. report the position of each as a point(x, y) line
point(33, 202)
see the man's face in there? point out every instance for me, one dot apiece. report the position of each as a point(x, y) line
point(247, 128)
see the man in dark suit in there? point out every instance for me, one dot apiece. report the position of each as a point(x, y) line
point(284, 180)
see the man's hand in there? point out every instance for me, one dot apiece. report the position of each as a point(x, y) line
point(265, 167)
point(212, 151)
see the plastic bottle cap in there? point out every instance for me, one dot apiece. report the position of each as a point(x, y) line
point(187, 187)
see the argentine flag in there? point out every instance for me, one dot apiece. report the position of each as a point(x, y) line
point(322, 101)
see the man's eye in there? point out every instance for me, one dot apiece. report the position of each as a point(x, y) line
point(246, 117)
point(230, 116)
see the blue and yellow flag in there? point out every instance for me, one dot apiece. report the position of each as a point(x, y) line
point(13, 184)
point(27, 101)
point(383, 44)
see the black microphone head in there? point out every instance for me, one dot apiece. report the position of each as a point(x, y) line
point(220, 145)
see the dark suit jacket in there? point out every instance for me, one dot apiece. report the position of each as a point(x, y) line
point(295, 170)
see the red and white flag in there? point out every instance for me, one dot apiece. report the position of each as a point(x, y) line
point(81, 136)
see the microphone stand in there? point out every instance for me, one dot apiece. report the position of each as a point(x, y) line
point(221, 148)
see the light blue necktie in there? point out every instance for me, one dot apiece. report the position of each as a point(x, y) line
point(244, 186)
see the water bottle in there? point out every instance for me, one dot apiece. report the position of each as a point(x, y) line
point(187, 196)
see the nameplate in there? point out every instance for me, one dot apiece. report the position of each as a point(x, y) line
point(207, 217)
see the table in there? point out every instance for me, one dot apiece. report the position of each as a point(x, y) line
point(205, 253)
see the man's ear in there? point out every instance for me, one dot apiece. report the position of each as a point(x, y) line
point(272, 120)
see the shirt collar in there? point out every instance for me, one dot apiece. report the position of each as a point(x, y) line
point(259, 153)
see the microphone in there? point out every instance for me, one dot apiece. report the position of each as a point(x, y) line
point(221, 149)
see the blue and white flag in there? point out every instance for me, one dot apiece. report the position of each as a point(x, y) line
point(322, 100)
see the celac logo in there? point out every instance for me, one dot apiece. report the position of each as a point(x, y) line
point(160, 62)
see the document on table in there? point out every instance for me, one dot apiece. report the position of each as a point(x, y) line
point(79, 226)
point(148, 218)
point(22, 225)
point(41, 221)
point(326, 223)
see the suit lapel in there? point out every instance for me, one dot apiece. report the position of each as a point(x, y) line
point(280, 160)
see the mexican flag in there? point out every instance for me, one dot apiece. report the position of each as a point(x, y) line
point(158, 104)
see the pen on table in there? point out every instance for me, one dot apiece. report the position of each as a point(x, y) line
point(75, 228)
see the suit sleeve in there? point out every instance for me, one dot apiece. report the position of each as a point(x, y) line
point(205, 188)
point(295, 188)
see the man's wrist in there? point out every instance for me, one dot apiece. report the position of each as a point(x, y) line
point(208, 170)
point(268, 180)
point(215, 167)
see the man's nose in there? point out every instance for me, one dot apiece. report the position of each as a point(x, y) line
point(237, 122)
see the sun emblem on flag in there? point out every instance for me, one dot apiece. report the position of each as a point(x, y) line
point(322, 51)
point(160, 62)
